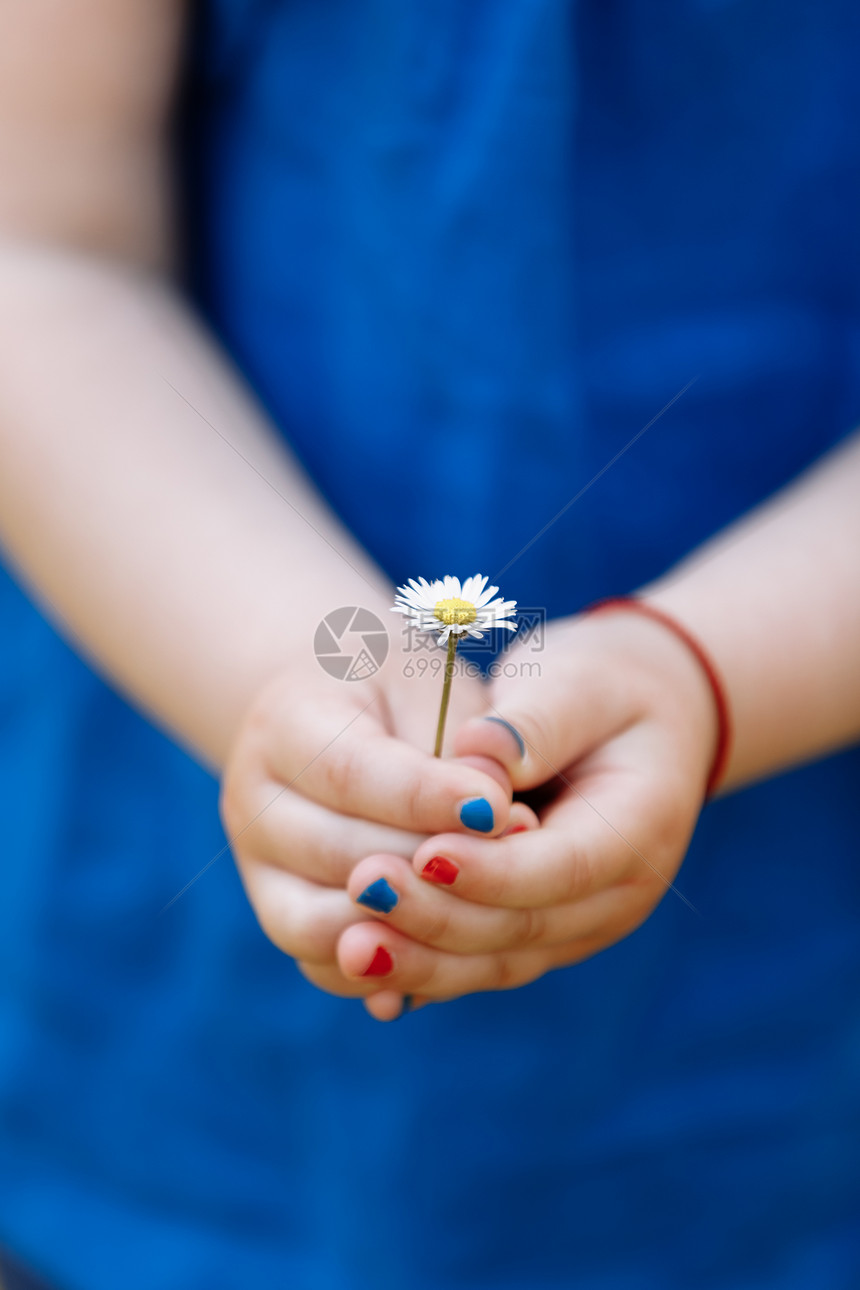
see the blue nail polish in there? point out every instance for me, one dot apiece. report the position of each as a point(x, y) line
point(379, 896)
point(500, 721)
point(477, 814)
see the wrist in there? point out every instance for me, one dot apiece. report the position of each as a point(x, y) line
point(673, 676)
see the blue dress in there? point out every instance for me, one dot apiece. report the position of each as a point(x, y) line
point(465, 252)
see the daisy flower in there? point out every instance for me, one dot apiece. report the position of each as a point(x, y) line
point(451, 609)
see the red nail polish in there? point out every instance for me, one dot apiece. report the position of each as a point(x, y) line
point(518, 828)
point(440, 870)
point(381, 963)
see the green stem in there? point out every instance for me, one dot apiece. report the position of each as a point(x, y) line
point(446, 693)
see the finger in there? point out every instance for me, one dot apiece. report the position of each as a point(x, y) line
point(620, 817)
point(382, 1004)
point(299, 917)
point(540, 725)
point(430, 915)
point(432, 975)
point(380, 953)
point(575, 854)
point(388, 1005)
point(315, 842)
point(389, 889)
point(347, 760)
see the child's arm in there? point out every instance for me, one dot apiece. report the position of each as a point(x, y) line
point(192, 578)
point(177, 567)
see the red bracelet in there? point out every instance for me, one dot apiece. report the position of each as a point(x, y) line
point(718, 689)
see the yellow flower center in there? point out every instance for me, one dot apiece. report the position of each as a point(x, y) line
point(455, 613)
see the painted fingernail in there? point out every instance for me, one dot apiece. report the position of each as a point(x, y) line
point(500, 721)
point(518, 828)
point(441, 870)
point(378, 896)
point(477, 814)
point(381, 963)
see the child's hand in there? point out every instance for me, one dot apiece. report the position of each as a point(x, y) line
point(325, 772)
point(621, 727)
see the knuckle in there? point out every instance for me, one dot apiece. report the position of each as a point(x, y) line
point(341, 772)
point(503, 974)
point(665, 839)
point(259, 739)
point(438, 925)
point(532, 926)
point(413, 803)
point(535, 730)
point(427, 980)
point(497, 881)
point(259, 715)
point(578, 873)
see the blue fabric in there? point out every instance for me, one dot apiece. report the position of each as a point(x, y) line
point(465, 252)
point(14, 1277)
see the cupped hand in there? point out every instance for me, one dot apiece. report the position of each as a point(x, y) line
point(325, 772)
point(618, 734)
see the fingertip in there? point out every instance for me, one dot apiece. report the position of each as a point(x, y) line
point(386, 1005)
point(364, 952)
point(492, 737)
point(372, 890)
point(477, 814)
point(523, 820)
point(512, 731)
point(487, 808)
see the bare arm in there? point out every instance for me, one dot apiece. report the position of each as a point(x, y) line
point(179, 570)
point(776, 599)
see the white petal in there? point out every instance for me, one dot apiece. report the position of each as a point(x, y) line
point(472, 588)
point(500, 608)
point(417, 603)
point(487, 595)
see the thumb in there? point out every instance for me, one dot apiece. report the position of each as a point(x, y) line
point(539, 725)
